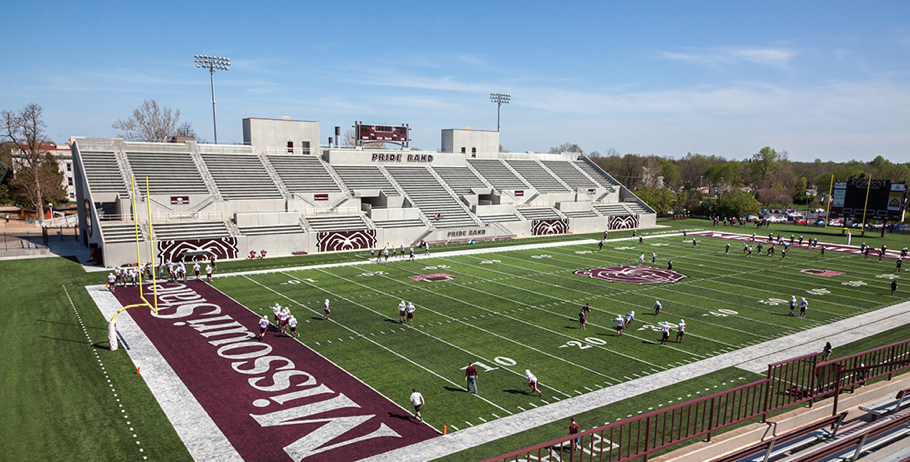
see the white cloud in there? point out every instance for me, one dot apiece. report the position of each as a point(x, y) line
point(728, 56)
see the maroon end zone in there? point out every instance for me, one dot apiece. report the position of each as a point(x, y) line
point(274, 400)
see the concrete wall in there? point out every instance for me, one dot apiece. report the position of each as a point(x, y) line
point(271, 136)
point(469, 141)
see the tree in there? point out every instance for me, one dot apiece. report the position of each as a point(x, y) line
point(150, 122)
point(766, 163)
point(567, 147)
point(25, 129)
point(661, 200)
point(737, 203)
point(22, 192)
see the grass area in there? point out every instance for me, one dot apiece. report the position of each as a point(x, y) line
point(510, 310)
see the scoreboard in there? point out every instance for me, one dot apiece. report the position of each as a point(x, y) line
point(382, 133)
point(887, 199)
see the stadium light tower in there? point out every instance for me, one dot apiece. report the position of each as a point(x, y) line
point(499, 99)
point(213, 63)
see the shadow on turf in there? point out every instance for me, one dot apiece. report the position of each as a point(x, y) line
point(518, 392)
point(102, 345)
point(399, 416)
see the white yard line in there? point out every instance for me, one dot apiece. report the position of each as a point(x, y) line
point(196, 429)
point(755, 359)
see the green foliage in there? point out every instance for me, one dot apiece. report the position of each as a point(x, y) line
point(736, 203)
point(660, 199)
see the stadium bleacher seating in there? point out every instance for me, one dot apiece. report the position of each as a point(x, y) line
point(182, 230)
point(431, 196)
point(495, 172)
point(500, 218)
point(303, 174)
point(569, 174)
point(241, 177)
point(398, 223)
point(103, 173)
point(539, 178)
point(364, 177)
point(460, 179)
point(636, 207)
point(120, 232)
point(612, 209)
point(579, 214)
point(600, 176)
point(168, 172)
point(539, 213)
point(336, 222)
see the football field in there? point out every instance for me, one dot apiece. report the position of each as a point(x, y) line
point(514, 309)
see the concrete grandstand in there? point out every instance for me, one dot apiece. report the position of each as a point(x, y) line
point(275, 193)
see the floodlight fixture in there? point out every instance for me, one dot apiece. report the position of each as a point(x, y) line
point(499, 99)
point(213, 63)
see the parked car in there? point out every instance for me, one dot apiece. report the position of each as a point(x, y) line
point(777, 219)
point(836, 222)
point(819, 210)
point(802, 221)
point(820, 223)
point(752, 218)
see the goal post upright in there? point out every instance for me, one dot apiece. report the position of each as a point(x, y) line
point(148, 208)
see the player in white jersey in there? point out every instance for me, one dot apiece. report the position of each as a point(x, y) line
point(283, 316)
point(657, 307)
point(208, 273)
point(641, 258)
point(326, 310)
point(134, 276)
point(196, 269)
point(681, 331)
point(402, 250)
point(411, 309)
point(111, 281)
point(402, 308)
point(629, 318)
point(792, 304)
point(620, 323)
point(263, 326)
point(117, 276)
point(665, 333)
point(532, 382)
point(276, 310)
point(803, 307)
point(292, 323)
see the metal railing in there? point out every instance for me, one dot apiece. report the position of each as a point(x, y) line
point(788, 383)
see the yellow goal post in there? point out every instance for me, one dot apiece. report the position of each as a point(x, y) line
point(111, 326)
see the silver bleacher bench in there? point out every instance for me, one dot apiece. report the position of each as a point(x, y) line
point(886, 405)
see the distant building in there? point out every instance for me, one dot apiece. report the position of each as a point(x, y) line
point(64, 157)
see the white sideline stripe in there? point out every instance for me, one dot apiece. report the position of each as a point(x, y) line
point(202, 438)
point(747, 358)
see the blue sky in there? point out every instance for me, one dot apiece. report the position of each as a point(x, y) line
point(824, 80)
